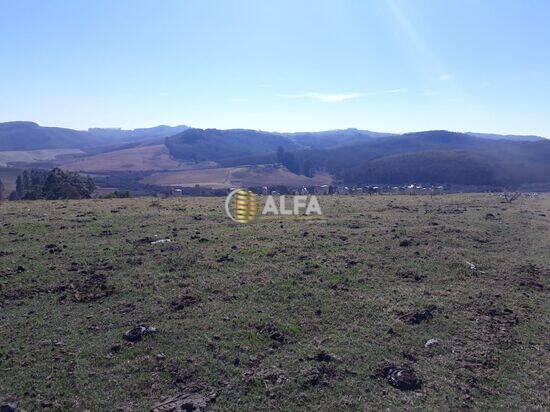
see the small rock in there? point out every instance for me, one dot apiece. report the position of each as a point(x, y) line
point(473, 268)
point(135, 334)
point(432, 342)
point(161, 241)
point(405, 243)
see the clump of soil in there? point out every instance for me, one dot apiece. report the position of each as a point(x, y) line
point(53, 248)
point(534, 277)
point(186, 401)
point(403, 378)
point(183, 302)
point(317, 375)
point(273, 333)
point(90, 289)
point(274, 376)
point(416, 318)
point(410, 275)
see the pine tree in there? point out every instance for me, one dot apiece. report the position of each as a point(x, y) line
point(19, 187)
point(1, 190)
point(26, 181)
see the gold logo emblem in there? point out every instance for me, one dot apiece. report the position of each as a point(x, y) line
point(242, 206)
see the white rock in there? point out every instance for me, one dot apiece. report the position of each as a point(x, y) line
point(161, 241)
point(432, 342)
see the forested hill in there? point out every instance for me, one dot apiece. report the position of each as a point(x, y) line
point(430, 157)
point(435, 157)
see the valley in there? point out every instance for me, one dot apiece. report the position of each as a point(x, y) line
point(154, 160)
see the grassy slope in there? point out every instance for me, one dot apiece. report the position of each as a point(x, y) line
point(323, 286)
point(226, 177)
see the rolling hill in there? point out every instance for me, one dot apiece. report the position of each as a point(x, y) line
point(350, 156)
point(214, 144)
point(435, 157)
point(137, 135)
point(31, 136)
point(333, 138)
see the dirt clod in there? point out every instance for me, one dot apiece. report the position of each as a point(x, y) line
point(183, 302)
point(8, 407)
point(318, 374)
point(403, 378)
point(410, 275)
point(419, 317)
point(185, 402)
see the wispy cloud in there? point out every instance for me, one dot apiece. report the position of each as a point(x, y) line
point(337, 97)
point(324, 97)
point(239, 99)
point(390, 91)
point(445, 77)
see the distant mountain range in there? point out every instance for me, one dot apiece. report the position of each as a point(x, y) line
point(31, 136)
point(355, 156)
point(512, 137)
point(349, 156)
point(137, 135)
point(21, 135)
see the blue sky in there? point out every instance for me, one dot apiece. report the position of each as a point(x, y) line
point(384, 65)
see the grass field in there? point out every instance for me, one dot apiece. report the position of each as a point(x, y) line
point(32, 156)
point(276, 315)
point(141, 158)
point(226, 177)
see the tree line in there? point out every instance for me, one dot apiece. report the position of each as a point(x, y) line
point(52, 185)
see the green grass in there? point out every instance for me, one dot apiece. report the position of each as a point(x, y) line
point(88, 273)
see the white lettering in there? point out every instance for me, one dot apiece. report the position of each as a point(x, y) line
point(299, 202)
point(313, 206)
point(270, 206)
point(282, 207)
